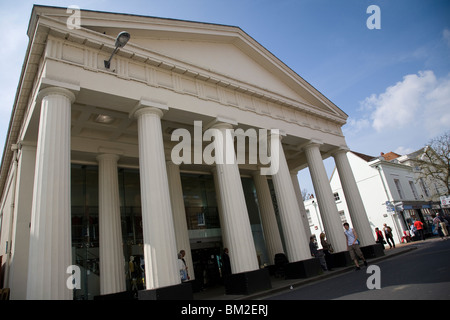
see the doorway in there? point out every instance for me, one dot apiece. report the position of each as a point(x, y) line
point(207, 267)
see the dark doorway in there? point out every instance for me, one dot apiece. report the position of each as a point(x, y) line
point(206, 263)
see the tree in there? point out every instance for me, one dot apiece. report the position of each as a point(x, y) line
point(304, 194)
point(434, 163)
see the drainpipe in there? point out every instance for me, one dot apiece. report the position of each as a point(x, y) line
point(14, 148)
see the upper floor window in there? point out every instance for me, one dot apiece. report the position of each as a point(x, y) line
point(399, 188)
point(308, 214)
point(342, 216)
point(424, 188)
point(414, 190)
point(336, 196)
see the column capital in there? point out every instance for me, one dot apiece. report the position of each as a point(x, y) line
point(221, 123)
point(57, 91)
point(148, 107)
point(341, 149)
point(108, 156)
point(148, 110)
point(312, 143)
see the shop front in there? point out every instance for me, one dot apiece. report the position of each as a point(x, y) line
point(202, 218)
point(412, 211)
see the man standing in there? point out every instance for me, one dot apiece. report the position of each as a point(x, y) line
point(353, 246)
point(182, 254)
point(316, 253)
point(226, 265)
point(419, 228)
point(388, 233)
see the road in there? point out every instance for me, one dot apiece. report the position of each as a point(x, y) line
point(422, 274)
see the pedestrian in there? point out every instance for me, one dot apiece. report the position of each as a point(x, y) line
point(412, 231)
point(440, 226)
point(315, 252)
point(353, 245)
point(380, 237)
point(327, 250)
point(183, 253)
point(419, 229)
point(182, 268)
point(226, 264)
point(388, 233)
point(446, 219)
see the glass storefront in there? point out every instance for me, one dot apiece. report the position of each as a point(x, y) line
point(85, 240)
point(202, 217)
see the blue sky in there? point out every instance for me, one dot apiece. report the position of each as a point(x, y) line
point(393, 83)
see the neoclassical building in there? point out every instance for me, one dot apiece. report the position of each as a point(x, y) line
point(94, 197)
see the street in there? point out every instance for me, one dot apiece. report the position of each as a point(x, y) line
point(422, 274)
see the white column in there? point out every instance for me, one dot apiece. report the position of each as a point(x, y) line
point(355, 205)
point(328, 211)
point(179, 215)
point(234, 221)
point(112, 262)
point(21, 236)
point(296, 240)
point(50, 234)
point(160, 250)
point(301, 205)
point(220, 209)
point(272, 236)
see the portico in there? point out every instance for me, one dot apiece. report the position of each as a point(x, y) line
point(74, 112)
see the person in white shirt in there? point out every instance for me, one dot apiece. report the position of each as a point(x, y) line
point(353, 246)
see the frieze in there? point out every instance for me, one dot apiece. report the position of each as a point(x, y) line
point(181, 80)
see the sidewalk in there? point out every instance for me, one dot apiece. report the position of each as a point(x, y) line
point(279, 284)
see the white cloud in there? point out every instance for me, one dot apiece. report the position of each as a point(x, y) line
point(400, 104)
point(404, 117)
point(446, 36)
point(418, 101)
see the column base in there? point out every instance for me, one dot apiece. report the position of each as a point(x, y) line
point(124, 295)
point(339, 260)
point(181, 291)
point(247, 282)
point(373, 251)
point(302, 269)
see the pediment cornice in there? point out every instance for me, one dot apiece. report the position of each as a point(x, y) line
point(90, 36)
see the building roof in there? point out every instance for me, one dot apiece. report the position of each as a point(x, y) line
point(389, 156)
point(363, 156)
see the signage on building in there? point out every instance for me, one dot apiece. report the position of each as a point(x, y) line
point(445, 200)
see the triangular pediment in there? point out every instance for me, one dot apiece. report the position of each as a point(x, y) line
point(226, 52)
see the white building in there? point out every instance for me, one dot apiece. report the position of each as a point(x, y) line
point(91, 176)
point(391, 190)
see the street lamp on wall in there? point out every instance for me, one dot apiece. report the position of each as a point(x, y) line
point(121, 41)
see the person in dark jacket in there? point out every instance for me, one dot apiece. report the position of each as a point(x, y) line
point(226, 264)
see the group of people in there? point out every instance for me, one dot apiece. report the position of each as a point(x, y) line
point(416, 230)
point(325, 256)
point(387, 231)
point(184, 274)
point(441, 225)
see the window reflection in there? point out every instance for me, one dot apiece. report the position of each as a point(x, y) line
point(85, 230)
